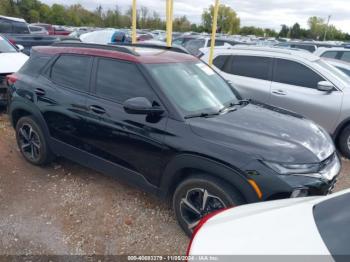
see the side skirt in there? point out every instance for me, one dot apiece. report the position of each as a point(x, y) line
point(101, 165)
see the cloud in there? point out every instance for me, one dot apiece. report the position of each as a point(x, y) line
point(262, 13)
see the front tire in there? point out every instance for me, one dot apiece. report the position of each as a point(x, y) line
point(344, 142)
point(199, 196)
point(32, 143)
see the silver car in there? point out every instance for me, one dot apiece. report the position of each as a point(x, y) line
point(291, 79)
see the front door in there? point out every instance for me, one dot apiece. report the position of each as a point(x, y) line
point(134, 142)
point(294, 87)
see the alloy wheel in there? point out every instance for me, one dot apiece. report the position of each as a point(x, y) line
point(29, 142)
point(198, 203)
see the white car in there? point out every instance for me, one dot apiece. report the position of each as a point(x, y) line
point(339, 53)
point(301, 226)
point(11, 60)
point(102, 37)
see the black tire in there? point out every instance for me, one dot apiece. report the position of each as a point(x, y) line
point(221, 195)
point(32, 143)
point(344, 142)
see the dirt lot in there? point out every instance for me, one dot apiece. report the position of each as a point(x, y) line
point(68, 209)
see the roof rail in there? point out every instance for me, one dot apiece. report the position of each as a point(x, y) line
point(263, 48)
point(177, 49)
point(95, 46)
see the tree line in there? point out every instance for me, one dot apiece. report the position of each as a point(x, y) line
point(318, 30)
point(228, 21)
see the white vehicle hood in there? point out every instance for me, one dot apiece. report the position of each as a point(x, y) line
point(11, 62)
point(283, 227)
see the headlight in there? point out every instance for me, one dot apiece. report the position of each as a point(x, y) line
point(295, 169)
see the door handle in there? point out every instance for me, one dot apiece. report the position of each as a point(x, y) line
point(279, 92)
point(97, 109)
point(39, 92)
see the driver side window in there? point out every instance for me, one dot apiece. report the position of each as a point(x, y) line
point(118, 81)
point(293, 73)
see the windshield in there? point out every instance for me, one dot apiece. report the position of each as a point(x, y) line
point(5, 46)
point(193, 87)
point(338, 73)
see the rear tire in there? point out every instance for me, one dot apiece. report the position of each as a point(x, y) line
point(189, 204)
point(344, 142)
point(32, 143)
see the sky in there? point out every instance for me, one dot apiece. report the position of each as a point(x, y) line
point(260, 13)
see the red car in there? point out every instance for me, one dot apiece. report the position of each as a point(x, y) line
point(53, 30)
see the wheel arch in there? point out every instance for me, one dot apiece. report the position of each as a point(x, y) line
point(18, 110)
point(340, 128)
point(185, 165)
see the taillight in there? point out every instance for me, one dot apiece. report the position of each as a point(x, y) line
point(12, 41)
point(11, 79)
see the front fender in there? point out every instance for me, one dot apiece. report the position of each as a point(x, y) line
point(212, 167)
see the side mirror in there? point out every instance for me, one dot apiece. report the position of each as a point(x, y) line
point(20, 47)
point(141, 106)
point(325, 86)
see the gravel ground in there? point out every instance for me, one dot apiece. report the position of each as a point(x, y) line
point(67, 209)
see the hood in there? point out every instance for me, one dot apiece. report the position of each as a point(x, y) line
point(11, 62)
point(267, 133)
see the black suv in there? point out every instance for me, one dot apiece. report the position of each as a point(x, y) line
point(166, 122)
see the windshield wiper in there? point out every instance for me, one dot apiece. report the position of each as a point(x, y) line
point(224, 109)
point(233, 105)
point(201, 115)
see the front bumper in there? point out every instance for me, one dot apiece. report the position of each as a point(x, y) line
point(275, 186)
point(311, 186)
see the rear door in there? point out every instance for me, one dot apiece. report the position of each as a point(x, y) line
point(250, 75)
point(131, 141)
point(294, 87)
point(61, 98)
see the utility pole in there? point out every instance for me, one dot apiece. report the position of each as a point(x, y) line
point(325, 32)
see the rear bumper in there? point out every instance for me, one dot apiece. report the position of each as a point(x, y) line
point(3, 90)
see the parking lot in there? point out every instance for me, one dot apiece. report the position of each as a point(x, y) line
point(65, 208)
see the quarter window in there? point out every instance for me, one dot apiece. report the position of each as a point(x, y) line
point(119, 81)
point(72, 71)
point(250, 66)
point(293, 73)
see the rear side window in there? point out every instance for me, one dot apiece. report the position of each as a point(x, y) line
point(346, 56)
point(20, 28)
point(250, 66)
point(119, 81)
point(35, 64)
point(72, 71)
point(220, 61)
point(293, 73)
point(5, 26)
point(330, 54)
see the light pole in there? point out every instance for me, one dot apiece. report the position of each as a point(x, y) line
point(325, 32)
